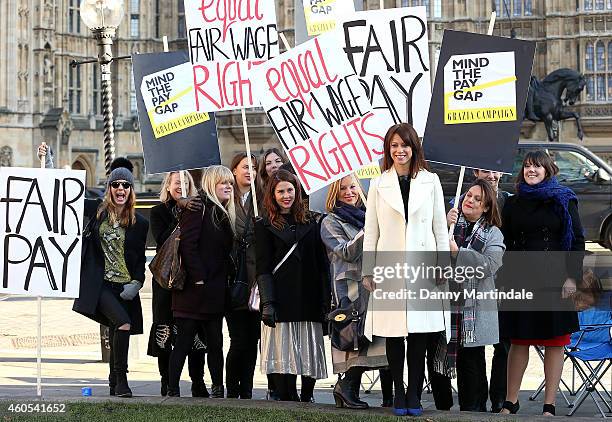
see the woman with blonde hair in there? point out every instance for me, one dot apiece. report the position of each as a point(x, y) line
point(206, 244)
point(113, 271)
point(164, 219)
point(342, 235)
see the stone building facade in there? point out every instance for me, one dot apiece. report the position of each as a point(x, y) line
point(43, 98)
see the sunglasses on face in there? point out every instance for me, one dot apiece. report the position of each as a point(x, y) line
point(124, 185)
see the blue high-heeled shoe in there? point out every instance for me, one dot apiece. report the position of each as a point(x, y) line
point(400, 411)
point(415, 411)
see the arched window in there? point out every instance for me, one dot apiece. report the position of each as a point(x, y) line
point(600, 55)
point(598, 70)
point(588, 59)
point(588, 4)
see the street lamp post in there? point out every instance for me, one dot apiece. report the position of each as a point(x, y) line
point(103, 17)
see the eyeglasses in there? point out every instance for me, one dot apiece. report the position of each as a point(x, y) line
point(124, 185)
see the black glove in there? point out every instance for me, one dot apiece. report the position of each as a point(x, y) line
point(268, 314)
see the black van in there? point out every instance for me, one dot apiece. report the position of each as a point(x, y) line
point(579, 169)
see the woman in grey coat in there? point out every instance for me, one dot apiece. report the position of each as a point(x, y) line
point(477, 243)
point(342, 234)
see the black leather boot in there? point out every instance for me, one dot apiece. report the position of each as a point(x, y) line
point(344, 393)
point(112, 379)
point(218, 392)
point(162, 365)
point(121, 346)
point(356, 386)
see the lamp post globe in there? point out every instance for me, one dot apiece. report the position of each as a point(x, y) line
point(98, 14)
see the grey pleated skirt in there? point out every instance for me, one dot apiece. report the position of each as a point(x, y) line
point(293, 348)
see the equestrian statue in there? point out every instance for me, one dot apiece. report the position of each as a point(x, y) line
point(545, 102)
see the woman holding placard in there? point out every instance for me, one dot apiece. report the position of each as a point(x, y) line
point(164, 219)
point(405, 214)
point(294, 290)
point(206, 243)
point(113, 270)
point(477, 242)
point(243, 323)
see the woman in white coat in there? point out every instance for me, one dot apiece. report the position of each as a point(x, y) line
point(405, 213)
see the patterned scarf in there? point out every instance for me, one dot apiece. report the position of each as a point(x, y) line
point(463, 311)
point(561, 195)
point(350, 214)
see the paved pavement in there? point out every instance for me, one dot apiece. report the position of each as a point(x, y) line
point(71, 360)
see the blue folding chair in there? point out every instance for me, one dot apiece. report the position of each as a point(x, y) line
point(590, 351)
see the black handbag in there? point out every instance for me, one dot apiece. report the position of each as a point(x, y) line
point(347, 328)
point(239, 286)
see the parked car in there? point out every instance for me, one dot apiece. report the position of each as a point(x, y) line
point(579, 169)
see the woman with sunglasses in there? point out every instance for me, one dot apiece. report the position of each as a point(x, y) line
point(113, 271)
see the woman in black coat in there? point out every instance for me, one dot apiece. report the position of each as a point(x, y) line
point(543, 233)
point(113, 271)
point(243, 323)
point(164, 219)
point(293, 282)
point(205, 247)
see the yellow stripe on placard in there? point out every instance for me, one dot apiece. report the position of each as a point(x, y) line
point(179, 123)
point(172, 99)
point(498, 82)
point(480, 115)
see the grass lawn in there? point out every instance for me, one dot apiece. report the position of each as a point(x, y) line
point(119, 411)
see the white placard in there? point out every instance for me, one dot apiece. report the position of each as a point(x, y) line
point(227, 39)
point(320, 112)
point(41, 222)
point(389, 51)
point(322, 15)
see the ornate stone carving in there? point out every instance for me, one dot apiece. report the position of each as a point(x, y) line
point(6, 156)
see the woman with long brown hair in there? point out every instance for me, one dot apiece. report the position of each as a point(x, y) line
point(243, 323)
point(270, 162)
point(405, 213)
point(293, 285)
point(113, 271)
point(477, 242)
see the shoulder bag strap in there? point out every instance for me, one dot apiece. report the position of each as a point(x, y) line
point(284, 258)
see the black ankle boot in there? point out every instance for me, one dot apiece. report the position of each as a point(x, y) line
point(218, 391)
point(163, 391)
point(121, 346)
point(344, 394)
point(356, 386)
point(198, 389)
point(112, 383)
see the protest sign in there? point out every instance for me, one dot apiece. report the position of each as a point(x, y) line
point(321, 15)
point(389, 51)
point(320, 112)
point(41, 220)
point(478, 100)
point(175, 136)
point(227, 40)
point(302, 33)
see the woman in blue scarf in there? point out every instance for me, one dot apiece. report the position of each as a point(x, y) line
point(543, 216)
